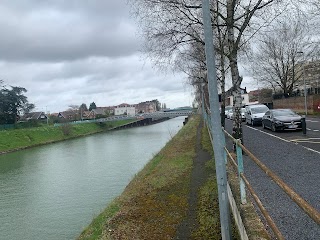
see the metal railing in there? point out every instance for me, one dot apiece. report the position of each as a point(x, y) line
point(244, 183)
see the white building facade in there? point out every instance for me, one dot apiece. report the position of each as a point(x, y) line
point(244, 98)
point(125, 109)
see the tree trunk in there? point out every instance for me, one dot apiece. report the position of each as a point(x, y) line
point(237, 99)
point(223, 91)
point(236, 79)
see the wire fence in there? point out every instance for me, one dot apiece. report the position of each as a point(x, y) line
point(245, 184)
point(7, 126)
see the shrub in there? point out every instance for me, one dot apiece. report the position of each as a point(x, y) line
point(66, 129)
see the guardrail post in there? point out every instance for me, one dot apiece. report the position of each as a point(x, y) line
point(224, 144)
point(240, 170)
point(304, 124)
point(202, 103)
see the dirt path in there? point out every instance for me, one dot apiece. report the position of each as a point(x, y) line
point(199, 176)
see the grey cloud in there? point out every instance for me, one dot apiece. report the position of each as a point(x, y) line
point(42, 33)
point(114, 8)
point(72, 52)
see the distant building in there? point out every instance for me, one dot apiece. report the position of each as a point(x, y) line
point(103, 111)
point(146, 107)
point(88, 115)
point(33, 116)
point(125, 109)
point(254, 95)
point(263, 95)
point(69, 115)
point(244, 96)
point(308, 73)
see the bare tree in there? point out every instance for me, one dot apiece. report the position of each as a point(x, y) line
point(73, 107)
point(171, 26)
point(275, 59)
point(238, 15)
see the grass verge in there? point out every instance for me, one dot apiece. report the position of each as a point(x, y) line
point(155, 201)
point(208, 206)
point(249, 215)
point(15, 139)
point(251, 219)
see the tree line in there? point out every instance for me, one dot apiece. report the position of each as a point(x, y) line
point(13, 103)
point(266, 37)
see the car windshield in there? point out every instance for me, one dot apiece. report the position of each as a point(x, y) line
point(283, 112)
point(243, 110)
point(259, 110)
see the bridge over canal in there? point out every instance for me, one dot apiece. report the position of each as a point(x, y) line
point(153, 116)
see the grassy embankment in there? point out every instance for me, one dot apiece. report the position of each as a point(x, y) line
point(155, 201)
point(251, 220)
point(11, 140)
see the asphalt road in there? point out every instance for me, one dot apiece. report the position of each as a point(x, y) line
point(295, 158)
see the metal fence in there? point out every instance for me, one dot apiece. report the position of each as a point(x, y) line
point(244, 183)
point(7, 126)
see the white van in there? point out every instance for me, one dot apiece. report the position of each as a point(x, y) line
point(254, 114)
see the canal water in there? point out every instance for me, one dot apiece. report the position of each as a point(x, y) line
point(53, 192)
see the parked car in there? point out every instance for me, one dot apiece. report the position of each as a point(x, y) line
point(281, 119)
point(227, 109)
point(254, 113)
point(242, 113)
point(230, 114)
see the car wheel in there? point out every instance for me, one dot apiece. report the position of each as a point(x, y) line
point(273, 127)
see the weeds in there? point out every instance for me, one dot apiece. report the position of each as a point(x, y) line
point(155, 201)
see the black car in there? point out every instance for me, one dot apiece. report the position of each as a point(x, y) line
point(281, 119)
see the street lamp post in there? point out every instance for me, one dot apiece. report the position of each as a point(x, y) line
point(305, 91)
point(215, 123)
point(304, 86)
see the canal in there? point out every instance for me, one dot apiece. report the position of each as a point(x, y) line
point(54, 191)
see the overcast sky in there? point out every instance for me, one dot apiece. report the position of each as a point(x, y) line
point(73, 52)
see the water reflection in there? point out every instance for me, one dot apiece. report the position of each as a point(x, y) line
point(54, 191)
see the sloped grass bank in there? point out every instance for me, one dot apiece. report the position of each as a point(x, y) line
point(16, 139)
point(155, 201)
point(252, 222)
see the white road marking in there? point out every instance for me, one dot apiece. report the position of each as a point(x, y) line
point(288, 141)
point(314, 130)
point(305, 139)
point(310, 149)
point(269, 134)
point(312, 121)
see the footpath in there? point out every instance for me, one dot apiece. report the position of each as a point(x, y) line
point(174, 196)
point(199, 175)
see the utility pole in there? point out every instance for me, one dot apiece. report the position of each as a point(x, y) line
point(47, 115)
point(215, 122)
point(304, 84)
